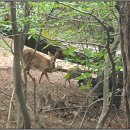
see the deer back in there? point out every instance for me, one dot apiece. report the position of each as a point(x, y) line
point(38, 60)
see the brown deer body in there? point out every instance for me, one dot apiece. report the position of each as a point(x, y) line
point(38, 61)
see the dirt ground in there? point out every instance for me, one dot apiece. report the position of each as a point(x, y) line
point(61, 109)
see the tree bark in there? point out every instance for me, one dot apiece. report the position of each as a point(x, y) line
point(123, 8)
point(26, 26)
point(106, 104)
point(106, 76)
point(17, 69)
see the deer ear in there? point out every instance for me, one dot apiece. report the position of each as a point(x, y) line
point(56, 54)
point(49, 54)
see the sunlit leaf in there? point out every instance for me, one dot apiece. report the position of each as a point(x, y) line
point(86, 86)
point(46, 34)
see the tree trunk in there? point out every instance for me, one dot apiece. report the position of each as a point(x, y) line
point(124, 11)
point(106, 75)
point(106, 104)
point(26, 26)
point(106, 84)
point(17, 69)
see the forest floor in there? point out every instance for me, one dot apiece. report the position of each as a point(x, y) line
point(61, 109)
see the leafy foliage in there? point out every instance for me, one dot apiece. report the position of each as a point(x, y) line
point(62, 24)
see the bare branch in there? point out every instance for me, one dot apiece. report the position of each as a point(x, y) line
point(84, 12)
point(10, 107)
point(87, 111)
point(10, 47)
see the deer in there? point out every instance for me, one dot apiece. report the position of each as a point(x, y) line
point(38, 61)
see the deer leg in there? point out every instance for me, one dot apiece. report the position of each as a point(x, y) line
point(69, 83)
point(45, 75)
point(41, 77)
point(48, 78)
point(65, 83)
point(30, 75)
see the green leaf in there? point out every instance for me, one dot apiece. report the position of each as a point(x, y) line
point(58, 43)
point(86, 86)
point(84, 75)
point(69, 51)
point(67, 76)
point(88, 52)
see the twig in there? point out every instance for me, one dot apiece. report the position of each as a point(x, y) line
point(4, 103)
point(119, 119)
point(5, 48)
point(8, 99)
point(5, 94)
point(7, 44)
point(87, 111)
point(84, 12)
point(71, 19)
point(96, 86)
point(106, 17)
point(55, 109)
point(13, 35)
point(34, 81)
point(96, 44)
point(10, 106)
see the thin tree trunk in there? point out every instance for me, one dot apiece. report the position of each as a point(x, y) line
point(106, 104)
point(16, 68)
point(123, 8)
point(26, 26)
point(106, 76)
